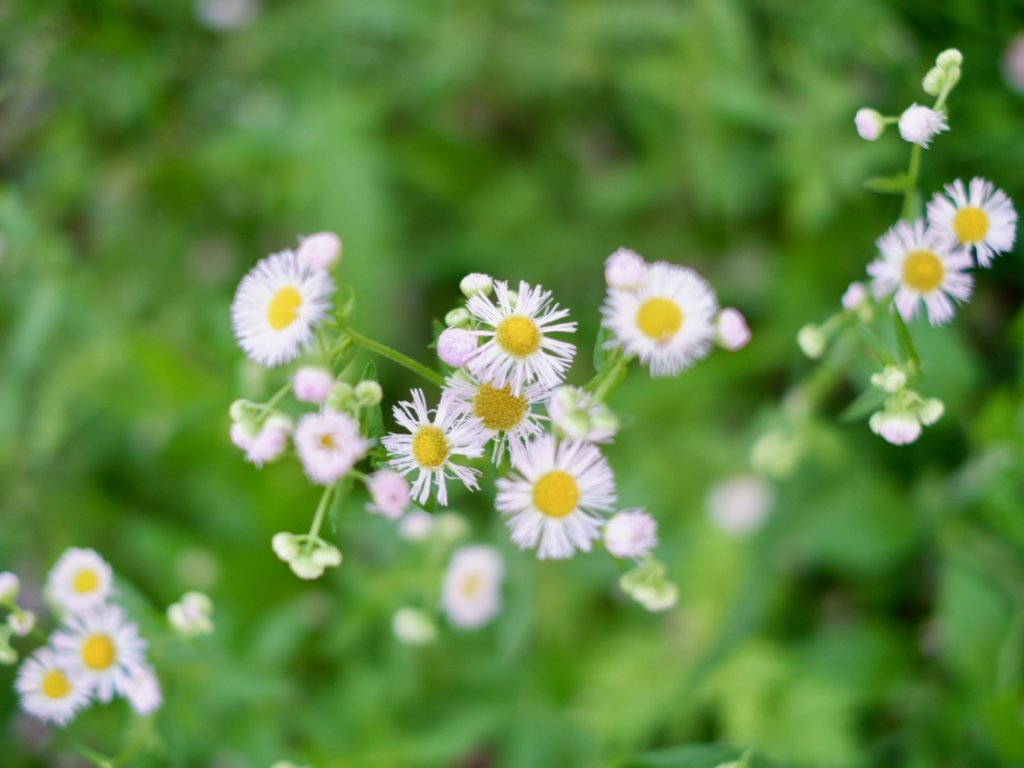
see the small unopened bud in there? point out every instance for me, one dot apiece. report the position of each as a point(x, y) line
point(575, 424)
point(603, 421)
point(192, 614)
point(413, 627)
point(951, 57)
point(9, 587)
point(919, 125)
point(476, 284)
point(455, 346)
point(731, 330)
point(320, 251)
point(812, 341)
point(306, 568)
point(625, 270)
point(8, 655)
point(457, 318)
point(22, 622)
point(285, 545)
point(368, 393)
point(327, 556)
point(241, 409)
point(416, 525)
point(896, 427)
point(312, 384)
point(933, 81)
point(931, 411)
point(340, 396)
point(855, 297)
point(631, 533)
point(890, 380)
point(870, 124)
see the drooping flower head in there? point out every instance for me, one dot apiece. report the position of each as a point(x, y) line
point(918, 264)
point(555, 497)
point(435, 438)
point(980, 217)
point(519, 347)
point(500, 414)
point(669, 322)
point(277, 306)
point(80, 580)
point(50, 690)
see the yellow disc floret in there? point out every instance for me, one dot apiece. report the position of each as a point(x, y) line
point(472, 585)
point(55, 684)
point(971, 224)
point(86, 580)
point(499, 408)
point(99, 652)
point(556, 493)
point(430, 447)
point(659, 318)
point(518, 335)
point(923, 271)
point(284, 308)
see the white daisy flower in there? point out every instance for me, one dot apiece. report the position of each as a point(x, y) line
point(435, 438)
point(104, 647)
point(80, 580)
point(389, 494)
point(276, 307)
point(555, 496)
point(669, 322)
point(50, 690)
point(503, 416)
point(919, 263)
point(329, 444)
point(471, 594)
point(979, 217)
point(518, 347)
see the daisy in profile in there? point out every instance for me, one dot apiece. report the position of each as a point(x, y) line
point(503, 416)
point(979, 217)
point(49, 690)
point(555, 495)
point(435, 438)
point(329, 444)
point(277, 306)
point(918, 264)
point(102, 647)
point(518, 347)
point(471, 594)
point(80, 580)
point(669, 322)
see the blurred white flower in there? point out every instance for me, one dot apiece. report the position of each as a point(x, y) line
point(919, 125)
point(21, 622)
point(870, 124)
point(143, 691)
point(416, 525)
point(329, 444)
point(80, 580)
point(625, 270)
point(855, 297)
point(312, 384)
point(731, 330)
point(320, 251)
point(979, 217)
point(224, 15)
point(413, 627)
point(896, 427)
point(471, 593)
point(1013, 63)
point(578, 416)
point(192, 615)
point(631, 533)
point(49, 689)
point(740, 505)
point(10, 584)
point(389, 494)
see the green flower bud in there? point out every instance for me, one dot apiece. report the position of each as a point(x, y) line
point(457, 318)
point(368, 393)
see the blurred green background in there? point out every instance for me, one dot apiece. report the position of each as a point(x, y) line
point(149, 157)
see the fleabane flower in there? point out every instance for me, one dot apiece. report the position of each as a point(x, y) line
point(919, 125)
point(264, 444)
point(103, 647)
point(50, 690)
point(979, 217)
point(456, 346)
point(312, 384)
point(471, 594)
point(625, 270)
point(631, 533)
point(669, 322)
point(277, 306)
point(319, 251)
point(554, 498)
point(499, 413)
point(919, 263)
point(435, 438)
point(870, 124)
point(329, 444)
point(517, 329)
point(80, 580)
point(389, 494)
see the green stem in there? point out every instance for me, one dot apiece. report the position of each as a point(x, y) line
point(910, 196)
point(609, 380)
point(318, 518)
point(269, 405)
point(395, 356)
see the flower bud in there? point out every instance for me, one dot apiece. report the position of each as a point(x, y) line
point(457, 318)
point(22, 622)
point(870, 124)
point(413, 627)
point(891, 380)
point(340, 397)
point(476, 284)
point(368, 393)
point(285, 545)
point(934, 81)
point(304, 567)
point(320, 251)
point(9, 587)
point(919, 125)
point(625, 270)
point(631, 533)
point(241, 409)
point(812, 341)
point(456, 346)
point(896, 427)
point(312, 384)
point(191, 615)
point(326, 555)
point(731, 330)
point(8, 655)
point(951, 57)
point(776, 454)
point(855, 297)
point(931, 411)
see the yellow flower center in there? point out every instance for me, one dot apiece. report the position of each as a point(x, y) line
point(86, 580)
point(556, 493)
point(55, 684)
point(923, 271)
point(499, 408)
point(471, 585)
point(99, 652)
point(518, 335)
point(327, 441)
point(284, 308)
point(659, 319)
point(971, 224)
point(430, 447)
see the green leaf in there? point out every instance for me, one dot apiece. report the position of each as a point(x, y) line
point(697, 756)
point(888, 185)
point(371, 419)
point(869, 401)
point(600, 353)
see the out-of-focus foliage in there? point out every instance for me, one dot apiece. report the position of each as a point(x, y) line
point(147, 161)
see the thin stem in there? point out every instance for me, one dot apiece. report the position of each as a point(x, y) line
point(269, 405)
point(395, 356)
point(910, 196)
point(321, 510)
point(607, 382)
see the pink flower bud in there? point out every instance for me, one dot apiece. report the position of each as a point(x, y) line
point(455, 346)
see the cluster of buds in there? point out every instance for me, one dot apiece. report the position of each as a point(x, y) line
point(576, 415)
point(648, 585)
point(905, 410)
point(192, 615)
point(457, 343)
point(20, 622)
point(308, 557)
point(261, 434)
